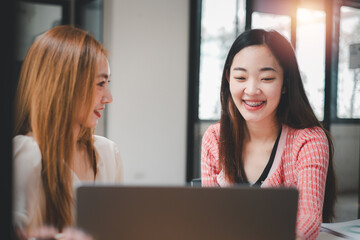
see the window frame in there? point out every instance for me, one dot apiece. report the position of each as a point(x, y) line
point(193, 86)
point(64, 4)
point(334, 119)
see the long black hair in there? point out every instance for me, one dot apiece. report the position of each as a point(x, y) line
point(293, 110)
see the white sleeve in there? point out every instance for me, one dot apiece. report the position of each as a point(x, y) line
point(27, 181)
point(118, 162)
point(109, 160)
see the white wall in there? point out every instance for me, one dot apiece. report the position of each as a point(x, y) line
point(148, 45)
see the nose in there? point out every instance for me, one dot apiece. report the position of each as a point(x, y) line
point(252, 87)
point(107, 98)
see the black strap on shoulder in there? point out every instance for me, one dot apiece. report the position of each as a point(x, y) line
point(266, 171)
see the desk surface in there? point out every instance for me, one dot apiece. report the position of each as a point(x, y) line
point(328, 236)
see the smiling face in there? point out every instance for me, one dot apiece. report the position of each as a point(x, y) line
point(256, 80)
point(102, 94)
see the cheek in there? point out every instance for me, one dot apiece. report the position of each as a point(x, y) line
point(82, 115)
point(275, 93)
point(97, 97)
point(235, 88)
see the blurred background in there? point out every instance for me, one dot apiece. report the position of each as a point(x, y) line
point(166, 59)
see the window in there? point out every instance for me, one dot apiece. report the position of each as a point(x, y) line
point(267, 21)
point(327, 45)
point(310, 51)
point(214, 27)
point(220, 25)
point(221, 22)
point(348, 85)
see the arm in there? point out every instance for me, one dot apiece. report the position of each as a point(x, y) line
point(209, 158)
point(312, 163)
point(28, 203)
point(119, 168)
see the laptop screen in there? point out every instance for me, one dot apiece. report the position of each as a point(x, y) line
point(160, 212)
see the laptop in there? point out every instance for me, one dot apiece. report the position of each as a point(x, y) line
point(109, 212)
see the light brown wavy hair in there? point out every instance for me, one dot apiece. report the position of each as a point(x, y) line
point(57, 81)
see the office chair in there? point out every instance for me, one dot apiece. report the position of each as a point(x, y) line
point(196, 182)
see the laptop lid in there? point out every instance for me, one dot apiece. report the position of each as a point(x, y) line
point(176, 213)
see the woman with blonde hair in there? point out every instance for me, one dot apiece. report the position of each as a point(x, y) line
point(62, 91)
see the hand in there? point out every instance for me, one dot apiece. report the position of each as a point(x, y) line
point(51, 233)
point(44, 232)
point(74, 234)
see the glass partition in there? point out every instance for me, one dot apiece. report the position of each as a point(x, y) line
point(348, 87)
point(268, 21)
point(310, 50)
point(221, 22)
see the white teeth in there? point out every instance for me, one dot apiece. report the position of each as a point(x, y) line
point(254, 104)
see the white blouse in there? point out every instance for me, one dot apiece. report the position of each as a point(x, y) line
point(29, 198)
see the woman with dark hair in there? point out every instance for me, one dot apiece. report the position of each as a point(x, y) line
point(268, 134)
point(62, 92)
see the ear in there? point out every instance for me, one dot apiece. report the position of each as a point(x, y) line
point(227, 75)
point(283, 90)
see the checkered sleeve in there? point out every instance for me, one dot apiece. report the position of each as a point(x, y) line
point(312, 164)
point(210, 157)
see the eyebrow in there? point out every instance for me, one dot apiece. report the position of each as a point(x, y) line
point(264, 69)
point(105, 75)
point(267, 69)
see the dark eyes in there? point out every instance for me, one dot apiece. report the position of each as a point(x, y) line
point(265, 79)
point(102, 83)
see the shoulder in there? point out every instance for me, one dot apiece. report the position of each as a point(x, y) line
point(24, 141)
point(101, 141)
point(213, 131)
point(310, 140)
point(109, 160)
point(211, 135)
point(210, 139)
point(26, 150)
point(307, 134)
point(105, 146)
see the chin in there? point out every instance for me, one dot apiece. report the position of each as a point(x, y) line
point(252, 118)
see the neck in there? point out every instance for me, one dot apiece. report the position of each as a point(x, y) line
point(82, 165)
point(77, 147)
point(262, 132)
point(76, 132)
